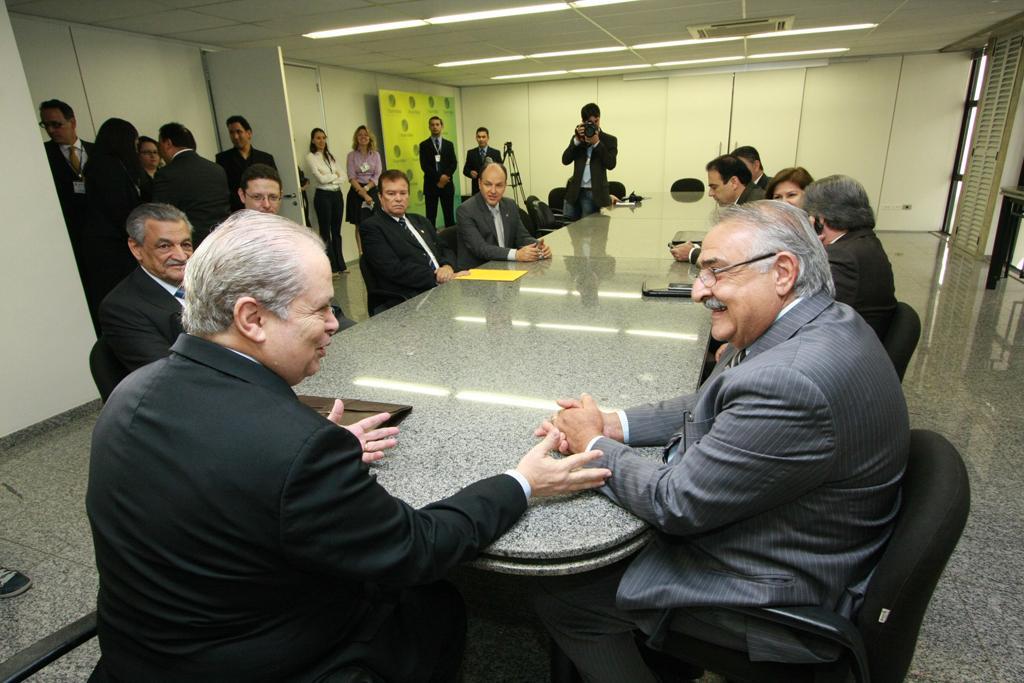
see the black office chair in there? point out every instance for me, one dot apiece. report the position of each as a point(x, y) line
point(544, 219)
point(106, 368)
point(378, 299)
point(47, 649)
point(687, 185)
point(527, 221)
point(616, 188)
point(556, 199)
point(901, 338)
point(447, 237)
point(879, 644)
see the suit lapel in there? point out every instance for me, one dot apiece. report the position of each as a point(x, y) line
point(786, 326)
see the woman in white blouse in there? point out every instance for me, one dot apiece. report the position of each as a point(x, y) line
point(323, 169)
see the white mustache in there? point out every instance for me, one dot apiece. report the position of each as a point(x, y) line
point(714, 304)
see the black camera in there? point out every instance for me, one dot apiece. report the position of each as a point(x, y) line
point(508, 147)
point(589, 129)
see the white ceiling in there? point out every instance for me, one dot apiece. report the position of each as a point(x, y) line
point(904, 26)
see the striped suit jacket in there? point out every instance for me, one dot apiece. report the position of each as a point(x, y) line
point(787, 479)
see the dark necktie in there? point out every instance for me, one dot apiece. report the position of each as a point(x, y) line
point(180, 292)
point(483, 154)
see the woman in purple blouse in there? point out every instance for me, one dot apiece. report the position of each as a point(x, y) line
point(364, 169)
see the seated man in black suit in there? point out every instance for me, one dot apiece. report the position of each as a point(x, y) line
point(750, 156)
point(195, 185)
point(489, 227)
point(477, 158)
point(402, 249)
point(141, 317)
point(841, 214)
point(241, 156)
point(239, 534)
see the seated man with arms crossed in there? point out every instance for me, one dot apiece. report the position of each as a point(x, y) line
point(401, 249)
point(780, 480)
point(489, 227)
point(141, 317)
point(238, 533)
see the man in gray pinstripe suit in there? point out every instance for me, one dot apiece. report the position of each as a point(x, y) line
point(781, 475)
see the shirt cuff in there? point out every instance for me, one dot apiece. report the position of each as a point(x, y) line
point(625, 425)
point(689, 256)
point(576, 142)
point(590, 445)
point(511, 254)
point(518, 476)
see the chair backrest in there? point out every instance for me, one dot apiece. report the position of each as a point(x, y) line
point(447, 237)
point(373, 301)
point(106, 368)
point(936, 498)
point(556, 198)
point(902, 336)
point(527, 221)
point(542, 216)
point(616, 188)
point(687, 185)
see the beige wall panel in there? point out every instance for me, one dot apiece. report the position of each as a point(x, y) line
point(505, 111)
point(635, 112)
point(766, 114)
point(697, 117)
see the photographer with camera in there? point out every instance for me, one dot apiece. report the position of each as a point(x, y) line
point(593, 153)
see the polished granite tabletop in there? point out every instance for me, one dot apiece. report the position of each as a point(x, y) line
point(641, 231)
point(482, 362)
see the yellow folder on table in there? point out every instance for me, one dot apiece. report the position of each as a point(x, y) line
point(492, 275)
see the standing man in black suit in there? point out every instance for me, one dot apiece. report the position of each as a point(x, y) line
point(592, 152)
point(401, 249)
point(239, 534)
point(67, 154)
point(195, 185)
point(476, 158)
point(141, 317)
point(242, 155)
point(749, 156)
point(489, 228)
point(438, 162)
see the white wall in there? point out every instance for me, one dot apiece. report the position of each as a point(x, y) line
point(44, 351)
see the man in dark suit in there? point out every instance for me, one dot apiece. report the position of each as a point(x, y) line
point(195, 185)
point(750, 157)
point(489, 227)
point(439, 164)
point(67, 155)
point(238, 533)
point(841, 213)
point(402, 249)
point(780, 478)
point(592, 152)
point(476, 158)
point(141, 317)
point(241, 156)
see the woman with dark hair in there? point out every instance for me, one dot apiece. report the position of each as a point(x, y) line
point(788, 186)
point(112, 176)
point(364, 167)
point(323, 168)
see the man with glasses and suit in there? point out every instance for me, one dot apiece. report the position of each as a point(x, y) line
point(779, 481)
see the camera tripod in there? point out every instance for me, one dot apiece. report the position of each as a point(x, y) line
point(515, 180)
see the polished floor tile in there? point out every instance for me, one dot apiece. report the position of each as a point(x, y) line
point(964, 382)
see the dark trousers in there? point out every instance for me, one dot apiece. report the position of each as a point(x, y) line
point(329, 208)
point(431, 193)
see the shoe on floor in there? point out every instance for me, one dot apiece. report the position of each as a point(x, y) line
point(13, 583)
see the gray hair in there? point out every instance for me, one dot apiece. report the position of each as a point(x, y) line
point(488, 162)
point(841, 201)
point(165, 213)
point(777, 226)
point(249, 254)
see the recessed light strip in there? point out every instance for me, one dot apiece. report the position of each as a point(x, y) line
point(799, 53)
point(486, 60)
point(810, 31)
point(710, 60)
point(684, 43)
point(369, 28)
point(609, 68)
point(538, 74)
point(587, 51)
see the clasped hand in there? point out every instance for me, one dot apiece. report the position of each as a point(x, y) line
point(578, 422)
point(372, 437)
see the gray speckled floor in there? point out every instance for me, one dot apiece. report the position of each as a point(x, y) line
point(963, 382)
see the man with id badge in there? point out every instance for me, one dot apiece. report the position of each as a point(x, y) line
point(438, 163)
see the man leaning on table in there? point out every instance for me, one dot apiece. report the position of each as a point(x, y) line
point(488, 225)
point(238, 533)
point(780, 481)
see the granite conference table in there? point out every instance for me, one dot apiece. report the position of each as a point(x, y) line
point(482, 362)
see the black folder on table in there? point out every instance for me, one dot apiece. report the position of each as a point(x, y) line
point(356, 409)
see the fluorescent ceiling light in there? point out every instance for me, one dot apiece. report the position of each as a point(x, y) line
point(409, 387)
point(610, 68)
point(485, 60)
point(769, 55)
point(369, 28)
point(699, 61)
point(533, 75)
point(497, 13)
point(809, 31)
point(588, 51)
point(582, 4)
point(683, 43)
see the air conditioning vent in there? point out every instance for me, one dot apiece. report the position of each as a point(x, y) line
point(743, 27)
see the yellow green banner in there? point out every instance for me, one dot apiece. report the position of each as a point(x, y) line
point(404, 119)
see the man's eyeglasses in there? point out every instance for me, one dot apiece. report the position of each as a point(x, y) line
point(55, 125)
point(272, 198)
point(709, 276)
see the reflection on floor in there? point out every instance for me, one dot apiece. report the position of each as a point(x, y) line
point(963, 382)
